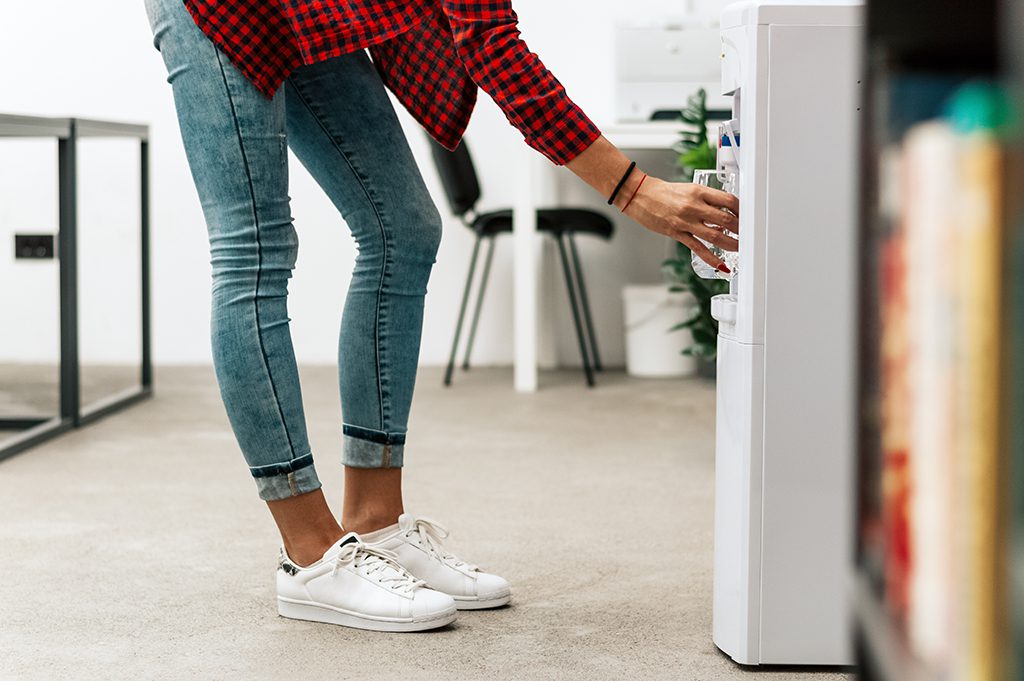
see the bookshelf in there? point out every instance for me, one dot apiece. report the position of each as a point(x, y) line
point(939, 584)
point(1015, 69)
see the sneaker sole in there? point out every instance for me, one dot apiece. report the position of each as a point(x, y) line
point(495, 601)
point(316, 612)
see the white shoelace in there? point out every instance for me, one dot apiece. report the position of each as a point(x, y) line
point(376, 560)
point(432, 535)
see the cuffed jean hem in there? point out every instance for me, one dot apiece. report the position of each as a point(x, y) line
point(365, 448)
point(284, 480)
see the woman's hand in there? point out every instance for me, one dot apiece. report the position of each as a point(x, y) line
point(681, 211)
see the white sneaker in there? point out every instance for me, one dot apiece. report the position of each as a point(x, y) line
point(359, 586)
point(417, 543)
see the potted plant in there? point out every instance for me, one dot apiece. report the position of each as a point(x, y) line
point(695, 153)
point(702, 326)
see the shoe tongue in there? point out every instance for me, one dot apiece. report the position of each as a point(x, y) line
point(406, 521)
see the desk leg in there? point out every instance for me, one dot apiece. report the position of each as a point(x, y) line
point(144, 239)
point(524, 226)
point(67, 253)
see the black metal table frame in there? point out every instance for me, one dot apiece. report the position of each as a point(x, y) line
point(67, 132)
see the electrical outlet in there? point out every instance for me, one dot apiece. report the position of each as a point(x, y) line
point(33, 246)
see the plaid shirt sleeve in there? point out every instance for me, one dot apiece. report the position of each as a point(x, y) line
point(497, 59)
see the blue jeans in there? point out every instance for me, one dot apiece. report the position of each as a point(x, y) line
point(337, 118)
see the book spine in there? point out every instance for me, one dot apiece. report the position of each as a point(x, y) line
point(895, 404)
point(981, 240)
point(930, 155)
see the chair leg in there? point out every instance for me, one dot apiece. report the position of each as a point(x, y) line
point(584, 301)
point(587, 370)
point(462, 311)
point(479, 301)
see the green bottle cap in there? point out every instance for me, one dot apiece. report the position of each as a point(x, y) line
point(980, 106)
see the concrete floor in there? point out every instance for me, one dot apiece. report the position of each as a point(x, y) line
point(33, 390)
point(137, 548)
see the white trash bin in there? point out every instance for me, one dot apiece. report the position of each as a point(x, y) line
point(652, 351)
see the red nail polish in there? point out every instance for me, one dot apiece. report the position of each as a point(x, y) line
point(723, 268)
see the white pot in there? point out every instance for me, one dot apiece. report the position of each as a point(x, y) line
point(652, 351)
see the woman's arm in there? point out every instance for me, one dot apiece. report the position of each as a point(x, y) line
point(675, 209)
point(487, 39)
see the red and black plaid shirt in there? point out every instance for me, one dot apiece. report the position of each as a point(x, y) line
point(431, 53)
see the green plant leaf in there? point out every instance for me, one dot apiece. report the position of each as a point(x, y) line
point(707, 352)
point(688, 324)
point(703, 336)
point(701, 287)
point(695, 153)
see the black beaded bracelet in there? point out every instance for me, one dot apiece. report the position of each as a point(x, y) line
point(622, 183)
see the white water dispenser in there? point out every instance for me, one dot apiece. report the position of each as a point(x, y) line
point(785, 404)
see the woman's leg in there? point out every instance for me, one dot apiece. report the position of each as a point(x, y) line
point(343, 128)
point(235, 142)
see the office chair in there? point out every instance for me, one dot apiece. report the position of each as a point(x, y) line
point(462, 188)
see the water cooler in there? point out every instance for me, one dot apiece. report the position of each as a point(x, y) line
point(784, 431)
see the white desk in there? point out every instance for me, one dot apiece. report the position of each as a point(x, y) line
point(534, 177)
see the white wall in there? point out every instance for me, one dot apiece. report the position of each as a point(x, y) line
point(97, 61)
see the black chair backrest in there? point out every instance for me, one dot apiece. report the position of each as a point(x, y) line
point(457, 175)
